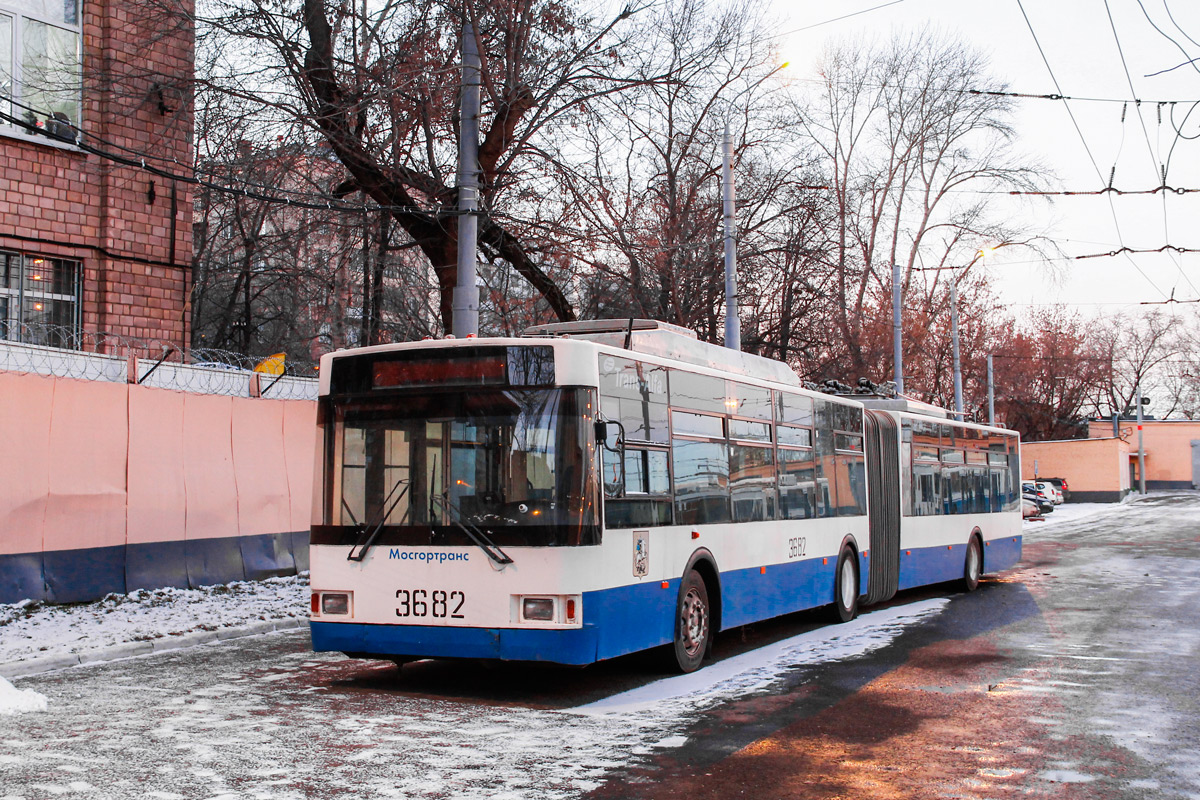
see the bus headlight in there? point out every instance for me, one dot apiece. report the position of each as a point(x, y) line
point(335, 603)
point(542, 610)
point(538, 608)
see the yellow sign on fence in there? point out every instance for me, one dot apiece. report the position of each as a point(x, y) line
point(271, 365)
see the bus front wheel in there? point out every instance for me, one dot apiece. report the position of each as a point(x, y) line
point(693, 623)
point(845, 589)
point(973, 567)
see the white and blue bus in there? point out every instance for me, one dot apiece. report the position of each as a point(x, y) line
point(598, 488)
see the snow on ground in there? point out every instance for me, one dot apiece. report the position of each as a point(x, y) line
point(33, 630)
point(218, 728)
point(1073, 512)
point(219, 733)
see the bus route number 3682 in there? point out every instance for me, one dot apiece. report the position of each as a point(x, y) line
point(424, 603)
point(797, 546)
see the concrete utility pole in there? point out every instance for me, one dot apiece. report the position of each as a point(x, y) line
point(897, 348)
point(958, 397)
point(466, 293)
point(1141, 448)
point(733, 326)
point(991, 394)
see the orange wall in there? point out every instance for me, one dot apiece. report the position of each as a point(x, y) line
point(1168, 445)
point(93, 464)
point(1088, 465)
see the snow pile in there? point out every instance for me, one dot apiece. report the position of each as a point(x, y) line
point(758, 669)
point(31, 629)
point(18, 701)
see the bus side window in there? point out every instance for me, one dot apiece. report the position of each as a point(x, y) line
point(752, 482)
point(798, 496)
point(646, 499)
point(701, 481)
point(635, 394)
point(826, 468)
point(852, 485)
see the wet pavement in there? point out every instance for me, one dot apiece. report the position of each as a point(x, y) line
point(1072, 676)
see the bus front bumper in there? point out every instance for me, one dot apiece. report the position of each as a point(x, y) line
point(574, 646)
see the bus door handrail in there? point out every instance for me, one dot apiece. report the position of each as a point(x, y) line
point(473, 532)
point(366, 539)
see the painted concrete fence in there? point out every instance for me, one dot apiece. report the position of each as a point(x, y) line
point(111, 487)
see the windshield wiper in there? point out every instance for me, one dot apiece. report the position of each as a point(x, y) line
point(490, 548)
point(371, 529)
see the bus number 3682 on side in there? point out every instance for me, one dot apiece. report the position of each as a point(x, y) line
point(423, 603)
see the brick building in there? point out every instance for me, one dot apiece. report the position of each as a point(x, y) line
point(88, 243)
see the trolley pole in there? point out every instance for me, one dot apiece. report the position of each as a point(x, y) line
point(991, 393)
point(897, 345)
point(958, 393)
point(466, 293)
point(733, 328)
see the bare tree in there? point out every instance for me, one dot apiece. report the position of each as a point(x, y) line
point(380, 83)
point(903, 131)
point(649, 193)
point(1138, 351)
point(266, 276)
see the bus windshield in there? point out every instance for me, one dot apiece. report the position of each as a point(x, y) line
point(516, 463)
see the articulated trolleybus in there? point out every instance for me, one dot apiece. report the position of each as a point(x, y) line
point(597, 488)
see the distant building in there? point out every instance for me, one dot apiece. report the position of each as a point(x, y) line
point(1096, 470)
point(1172, 449)
point(1104, 466)
point(89, 244)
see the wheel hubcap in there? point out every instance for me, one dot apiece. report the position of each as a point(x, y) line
point(693, 622)
point(849, 590)
point(973, 563)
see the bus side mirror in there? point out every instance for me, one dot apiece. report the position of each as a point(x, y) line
point(615, 487)
point(602, 437)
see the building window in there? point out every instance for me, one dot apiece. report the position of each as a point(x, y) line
point(40, 74)
point(39, 299)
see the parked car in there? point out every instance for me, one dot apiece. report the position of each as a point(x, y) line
point(1051, 491)
point(1061, 484)
point(1029, 491)
point(1029, 509)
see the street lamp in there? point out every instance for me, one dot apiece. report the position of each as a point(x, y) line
point(733, 326)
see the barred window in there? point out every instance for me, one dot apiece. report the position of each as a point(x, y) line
point(40, 67)
point(39, 299)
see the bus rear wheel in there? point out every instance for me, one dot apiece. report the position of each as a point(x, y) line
point(845, 587)
point(693, 623)
point(973, 567)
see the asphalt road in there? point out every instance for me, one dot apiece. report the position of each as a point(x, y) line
point(1073, 676)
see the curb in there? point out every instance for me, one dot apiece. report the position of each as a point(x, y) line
point(44, 664)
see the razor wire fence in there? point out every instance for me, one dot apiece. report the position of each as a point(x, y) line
point(64, 352)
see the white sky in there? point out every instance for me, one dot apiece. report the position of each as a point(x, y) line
point(1079, 43)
